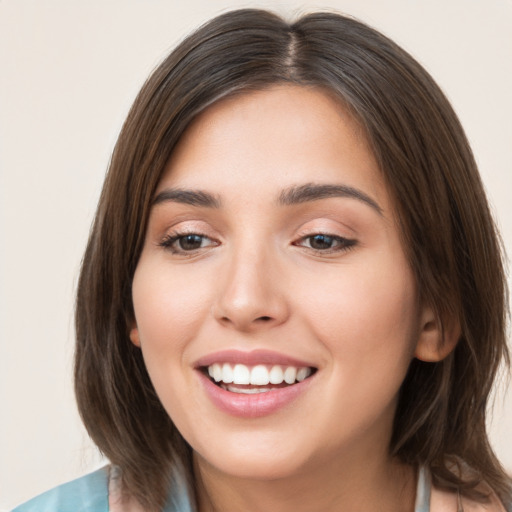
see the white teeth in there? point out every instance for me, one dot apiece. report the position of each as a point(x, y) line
point(276, 375)
point(290, 375)
point(259, 375)
point(241, 374)
point(227, 373)
point(217, 372)
point(303, 373)
point(245, 391)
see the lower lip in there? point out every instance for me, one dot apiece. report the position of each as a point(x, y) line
point(253, 405)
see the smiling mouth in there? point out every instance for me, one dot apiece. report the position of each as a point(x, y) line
point(260, 378)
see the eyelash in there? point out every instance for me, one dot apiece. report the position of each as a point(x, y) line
point(342, 244)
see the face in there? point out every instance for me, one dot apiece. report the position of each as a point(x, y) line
point(274, 306)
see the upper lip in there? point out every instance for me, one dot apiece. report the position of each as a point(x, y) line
point(251, 358)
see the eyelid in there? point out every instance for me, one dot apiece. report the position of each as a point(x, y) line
point(326, 226)
point(184, 226)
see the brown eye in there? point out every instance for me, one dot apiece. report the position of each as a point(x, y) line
point(324, 243)
point(190, 242)
point(186, 243)
point(321, 242)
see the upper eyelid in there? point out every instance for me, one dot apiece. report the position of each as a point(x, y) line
point(328, 222)
point(310, 227)
point(304, 233)
point(186, 227)
point(340, 232)
point(180, 234)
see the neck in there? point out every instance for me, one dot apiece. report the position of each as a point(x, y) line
point(382, 484)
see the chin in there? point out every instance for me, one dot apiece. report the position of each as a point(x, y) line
point(255, 462)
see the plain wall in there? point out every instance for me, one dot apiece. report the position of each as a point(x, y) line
point(69, 71)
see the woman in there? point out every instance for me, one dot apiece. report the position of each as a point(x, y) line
point(293, 296)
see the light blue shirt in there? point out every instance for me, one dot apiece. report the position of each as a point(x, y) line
point(86, 494)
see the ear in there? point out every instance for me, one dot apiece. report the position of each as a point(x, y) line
point(434, 342)
point(134, 335)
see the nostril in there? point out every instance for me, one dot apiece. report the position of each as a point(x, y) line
point(264, 318)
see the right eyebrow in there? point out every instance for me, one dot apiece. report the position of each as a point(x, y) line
point(185, 196)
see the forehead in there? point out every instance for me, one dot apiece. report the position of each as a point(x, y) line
point(273, 138)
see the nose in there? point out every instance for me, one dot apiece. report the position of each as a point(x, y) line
point(251, 294)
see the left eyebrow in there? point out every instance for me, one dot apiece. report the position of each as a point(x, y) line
point(314, 192)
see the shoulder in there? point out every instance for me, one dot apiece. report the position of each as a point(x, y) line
point(446, 501)
point(86, 494)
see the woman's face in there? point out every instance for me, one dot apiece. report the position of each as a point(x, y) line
point(273, 262)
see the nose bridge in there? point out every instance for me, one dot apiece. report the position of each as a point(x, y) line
point(250, 295)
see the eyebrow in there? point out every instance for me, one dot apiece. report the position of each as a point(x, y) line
point(190, 197)
point(313, 192)
point(291, 196)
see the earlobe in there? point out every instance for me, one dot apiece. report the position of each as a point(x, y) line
point(436, 342)
point(134, 336)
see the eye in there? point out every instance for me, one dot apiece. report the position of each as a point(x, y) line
point(186, 242)
point(322, 242)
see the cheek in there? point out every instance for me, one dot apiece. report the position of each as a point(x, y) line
point(169, 311)
point(168, 306)
point(367, 311)
point(367, 321)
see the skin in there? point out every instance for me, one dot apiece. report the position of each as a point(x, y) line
point(258, 281)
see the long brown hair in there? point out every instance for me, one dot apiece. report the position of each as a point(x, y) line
point(447, 230)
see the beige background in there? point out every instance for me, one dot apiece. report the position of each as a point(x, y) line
point(69, 71)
